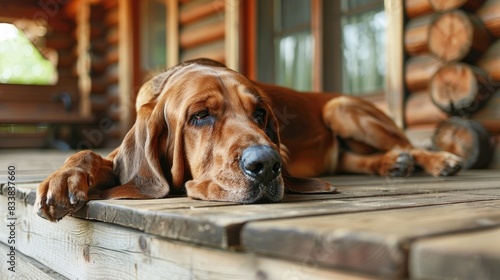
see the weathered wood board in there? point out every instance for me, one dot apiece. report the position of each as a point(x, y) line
point(82, 249)
point(376, 242)
point(218, 224)
point(24, 267)
point(373, 227)
point(470, 255)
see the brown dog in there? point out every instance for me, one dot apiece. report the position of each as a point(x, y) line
point(208, 130)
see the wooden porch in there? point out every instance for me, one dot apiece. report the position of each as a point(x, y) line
point(374, 228)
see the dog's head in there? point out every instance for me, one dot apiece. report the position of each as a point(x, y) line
point(205, 127)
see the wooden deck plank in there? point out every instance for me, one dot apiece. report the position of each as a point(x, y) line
point(374, 242)
point(25, 268)
point(370, 226)
point(470, 255)
point(218, 224)
point(82, 249)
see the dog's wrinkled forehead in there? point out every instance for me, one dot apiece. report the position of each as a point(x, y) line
point(159, 82)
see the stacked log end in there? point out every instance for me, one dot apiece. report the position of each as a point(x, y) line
point(453, 63)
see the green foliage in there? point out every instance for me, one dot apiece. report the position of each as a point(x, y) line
point(20, 61)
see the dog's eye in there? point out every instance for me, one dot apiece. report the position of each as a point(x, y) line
point(202, 118)
point(260, 115)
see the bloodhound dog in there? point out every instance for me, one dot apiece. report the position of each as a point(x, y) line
point(207, 131)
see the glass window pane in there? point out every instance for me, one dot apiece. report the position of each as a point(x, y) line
point(363, 48)
point(294, 60)
point(293, 14)
point(352, 4)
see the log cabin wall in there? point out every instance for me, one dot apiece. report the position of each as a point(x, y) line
point(35, 105)
point(104, 45)
point(452, 64)
point(202, 29)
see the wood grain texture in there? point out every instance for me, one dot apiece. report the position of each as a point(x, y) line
point(80, 249)
point(471, 255)
point(26, 268)
point(218, 224)
point(375, 242)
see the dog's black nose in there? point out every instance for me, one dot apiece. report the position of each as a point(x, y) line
point(261, 162)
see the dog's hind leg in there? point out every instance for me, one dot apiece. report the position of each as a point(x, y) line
point(363, 127)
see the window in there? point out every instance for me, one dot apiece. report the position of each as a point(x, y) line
point(363, 46)
point(21, 62)
point(352, 38)
point(286, 43)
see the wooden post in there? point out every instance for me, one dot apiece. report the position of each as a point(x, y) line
point(172, 33)
point(232, 39)
point(317, 29)
point(83, 64)
point(394, 80)
point(125, 64)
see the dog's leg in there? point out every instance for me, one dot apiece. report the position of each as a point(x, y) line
point(67, 189)
point(360, 123)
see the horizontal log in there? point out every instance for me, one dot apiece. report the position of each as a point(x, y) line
point(460, 89)
point(193, 37)
point(489, 14)
point(490, 61)
point(109, 4)
point(446, 5)
point(112, 79)
point(15, 113)
point(213, 51)
point(489, 115)
point(112, 18)
point(99, 86)
point(420, 110)
point(456, 36)
point(24, 140)
point(62, 26)
point(419, 71)
point(465, 138)
point(100, 104)
point(113, 37)
point(190, 13)
point(99, 46)
point(36, 93)
point(416, 8)
point(99, 65)
point(416, 35)
point(112, 56)
point(96, 31)
point(60, 42)
point(66, 59)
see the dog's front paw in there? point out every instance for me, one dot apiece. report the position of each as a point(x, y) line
point(63, 192)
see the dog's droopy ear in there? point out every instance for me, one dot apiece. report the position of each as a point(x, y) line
point(306, 185)
point(138, 161)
